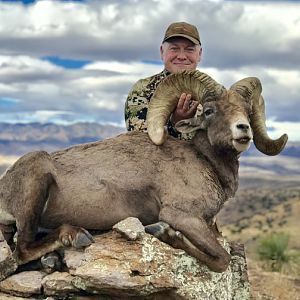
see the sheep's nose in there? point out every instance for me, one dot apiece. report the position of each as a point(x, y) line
point(243, 127)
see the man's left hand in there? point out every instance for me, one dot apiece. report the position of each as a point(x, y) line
point(186, 108)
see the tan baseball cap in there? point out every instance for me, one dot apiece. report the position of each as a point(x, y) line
point(183, 29)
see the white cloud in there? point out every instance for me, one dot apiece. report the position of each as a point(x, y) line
point(133, 67)
point(279, 128)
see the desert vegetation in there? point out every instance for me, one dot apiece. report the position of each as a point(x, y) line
point(267, 221)
point(273, 251)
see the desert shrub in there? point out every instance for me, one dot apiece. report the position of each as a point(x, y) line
point(273, 251)
point(282, 222)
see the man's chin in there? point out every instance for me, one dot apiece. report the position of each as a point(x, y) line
point(181, 68)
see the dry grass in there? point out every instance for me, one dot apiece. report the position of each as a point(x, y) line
point(280, 218)
point(272, 285)
point(256, 222)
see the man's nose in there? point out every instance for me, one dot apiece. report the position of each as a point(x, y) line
point(181, 54)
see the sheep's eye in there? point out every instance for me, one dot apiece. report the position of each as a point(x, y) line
point(208, 111)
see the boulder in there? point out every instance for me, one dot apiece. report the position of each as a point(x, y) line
point(8, 264)
point(25, 284)
point(146, 268)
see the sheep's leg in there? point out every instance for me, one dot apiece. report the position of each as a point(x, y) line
point(32, 190)
point(195, 237)
point(176, 239)
point(63, 236)
point(8, 232)
point(164, 232)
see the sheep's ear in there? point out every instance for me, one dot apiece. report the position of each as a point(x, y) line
point(189, 125)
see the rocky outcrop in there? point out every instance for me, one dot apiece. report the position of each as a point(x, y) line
point(7, 262)
point(119, 268)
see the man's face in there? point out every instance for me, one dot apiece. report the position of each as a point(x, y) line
point(179, 54)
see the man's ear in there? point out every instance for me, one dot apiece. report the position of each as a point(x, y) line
point(161, 50)
point(200, 54)
point(188, 125)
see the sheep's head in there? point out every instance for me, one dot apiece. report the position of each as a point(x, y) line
point(228, 113)
point(226, 122)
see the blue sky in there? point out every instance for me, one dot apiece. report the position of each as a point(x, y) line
point(71, 61)
point(33, 1)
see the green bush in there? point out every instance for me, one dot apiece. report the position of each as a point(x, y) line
point(273, 250)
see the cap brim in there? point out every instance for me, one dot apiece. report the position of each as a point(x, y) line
point(195, 41)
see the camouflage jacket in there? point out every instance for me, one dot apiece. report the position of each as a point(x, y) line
point(136, 105)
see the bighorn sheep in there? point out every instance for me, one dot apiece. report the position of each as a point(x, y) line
point(175, 187)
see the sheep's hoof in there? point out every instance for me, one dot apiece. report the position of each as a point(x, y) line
point(51, 262)
point(157, 229)
point(82, 239)
point(76, 237)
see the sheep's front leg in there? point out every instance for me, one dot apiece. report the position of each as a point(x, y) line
point(192, 235)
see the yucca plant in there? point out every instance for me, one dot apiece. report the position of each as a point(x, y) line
point(273, 250)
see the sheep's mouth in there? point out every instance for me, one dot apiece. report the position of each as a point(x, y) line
point(243, 140)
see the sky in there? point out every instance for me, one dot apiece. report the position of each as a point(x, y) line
point(75, 61)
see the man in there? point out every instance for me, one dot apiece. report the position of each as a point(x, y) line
point(180, 50)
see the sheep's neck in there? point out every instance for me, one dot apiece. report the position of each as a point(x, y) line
point(225, 163)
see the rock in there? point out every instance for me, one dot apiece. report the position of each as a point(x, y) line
point(23, 284)
point(240, 280)
point(73, 258)
point(8, 264)
point(114, 268)
point(131, 228)
point(148, 267)
point(10, 297)
point(58, 283)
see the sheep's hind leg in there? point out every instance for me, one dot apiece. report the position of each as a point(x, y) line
point(63, 236)
point(31, 192)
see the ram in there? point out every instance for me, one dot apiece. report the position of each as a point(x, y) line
point(174, 187)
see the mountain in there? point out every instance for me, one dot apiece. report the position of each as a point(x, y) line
point(18, 139)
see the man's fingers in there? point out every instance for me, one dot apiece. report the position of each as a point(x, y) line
point(187, 102)
point(193, 106)
point(181, 101)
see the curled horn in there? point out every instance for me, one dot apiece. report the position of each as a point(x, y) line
point(201, 86)
point(250, 88)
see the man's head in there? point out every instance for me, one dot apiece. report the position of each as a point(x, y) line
point(181, 47)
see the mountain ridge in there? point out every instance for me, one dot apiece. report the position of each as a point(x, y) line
point(83, 132)
point(19, 138)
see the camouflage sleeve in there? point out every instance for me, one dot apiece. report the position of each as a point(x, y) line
point(136, 107)
point(179, 135)
point(182, 135)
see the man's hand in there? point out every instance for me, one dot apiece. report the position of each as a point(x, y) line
point(186, 108)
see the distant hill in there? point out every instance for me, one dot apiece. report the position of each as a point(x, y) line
point(17, 139)
point(20, 138)
point(292, 149)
